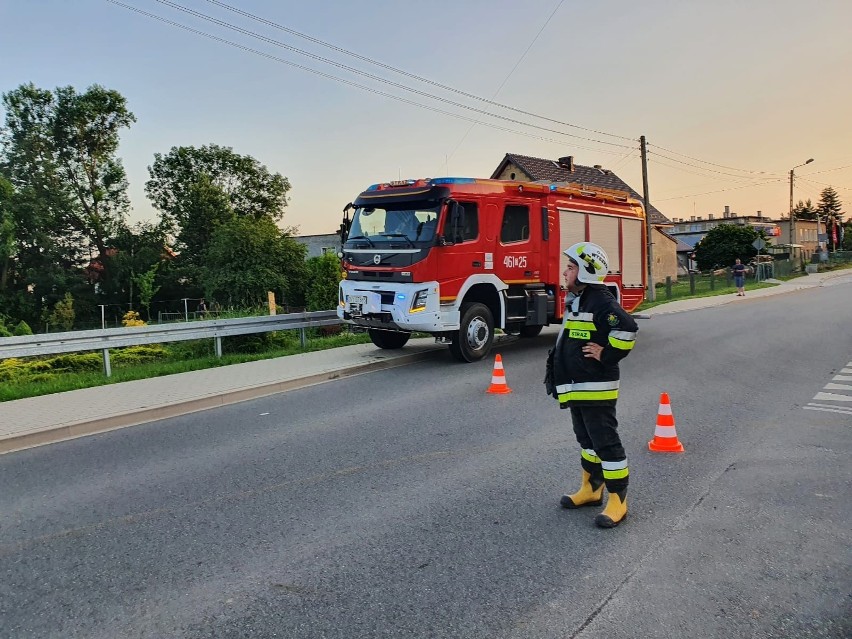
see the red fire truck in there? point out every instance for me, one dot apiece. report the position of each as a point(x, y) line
point(459, 257)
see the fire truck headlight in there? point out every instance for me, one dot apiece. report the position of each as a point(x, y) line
point(419, 301)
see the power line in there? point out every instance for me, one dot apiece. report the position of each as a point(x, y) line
point(371, 76)
point(722, 166)
point(702, 168)
point(412, 75)
point(357, 85)
point(804, 179)
point(733, 188)
point(509, 75)
point(737, 180)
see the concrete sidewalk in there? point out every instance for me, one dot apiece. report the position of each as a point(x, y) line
point(50, 418)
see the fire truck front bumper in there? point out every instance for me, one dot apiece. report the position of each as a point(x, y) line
point(401, 306)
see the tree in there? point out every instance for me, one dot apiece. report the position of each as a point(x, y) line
point(63, 313)
point(147, 289)
point(69, 192)
point(324, 273)
point(248, 257)
point(66, 143)
point(188, 178)
point(136, 251)
point(830, 211)
point(7, 231)
point(724, 244)
point(846, 242)
point(804, 211)
point(207, 208)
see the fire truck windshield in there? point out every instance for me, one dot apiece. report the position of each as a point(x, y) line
point(412, 224)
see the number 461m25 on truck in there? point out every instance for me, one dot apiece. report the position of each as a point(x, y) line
point(459, 257)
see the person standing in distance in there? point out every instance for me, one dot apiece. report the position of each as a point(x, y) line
point(583, 375)
point(739, 276)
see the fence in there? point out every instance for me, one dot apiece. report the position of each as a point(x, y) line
point(700, 283)
point(105, 339)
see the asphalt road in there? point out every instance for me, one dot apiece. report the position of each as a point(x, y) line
point(410, 503)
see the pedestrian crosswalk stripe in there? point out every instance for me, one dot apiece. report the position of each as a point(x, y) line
point(833, 397)
point(847, 370)
point(842, 378)
point(837, 387)
point(828, 410)
point(845, 409)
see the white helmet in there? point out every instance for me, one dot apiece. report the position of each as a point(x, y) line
point(591, 259)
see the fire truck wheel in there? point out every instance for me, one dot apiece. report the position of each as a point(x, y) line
point(473, 341)
point(388, 339)
point(531, 331)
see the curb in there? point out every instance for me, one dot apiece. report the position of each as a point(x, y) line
point(73, 430)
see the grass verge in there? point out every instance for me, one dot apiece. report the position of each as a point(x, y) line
point(682, 293)
point(180, 358)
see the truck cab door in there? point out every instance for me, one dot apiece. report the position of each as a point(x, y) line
point(517, 258)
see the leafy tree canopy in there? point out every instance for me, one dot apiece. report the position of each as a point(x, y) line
point(184, 177)
point(804, 211)
point(724, 244)
point(61, 146)
point(324, 274)
point(248, 257)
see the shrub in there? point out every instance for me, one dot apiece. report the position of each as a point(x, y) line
point(23, 328)
point(4, 332)
point(73, 362)
point(139, 354)
point(131, 318)
point(63, 314)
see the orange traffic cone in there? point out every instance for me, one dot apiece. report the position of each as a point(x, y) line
point(498, 378)
point(665, 437)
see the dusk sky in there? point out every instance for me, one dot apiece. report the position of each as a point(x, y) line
point(730, 94)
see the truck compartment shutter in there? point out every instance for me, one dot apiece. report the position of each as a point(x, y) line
point(603, 231)
point(632, 233)
point(572, 229)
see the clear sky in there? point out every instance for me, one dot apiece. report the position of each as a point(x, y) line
point(737, 92)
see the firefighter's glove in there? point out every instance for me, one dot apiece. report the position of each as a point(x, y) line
point(548, 375)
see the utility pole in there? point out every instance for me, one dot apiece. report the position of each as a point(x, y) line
point(652, 289)
point(792, 219)
point(792, 222)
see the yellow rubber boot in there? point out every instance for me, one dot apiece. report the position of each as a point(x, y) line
point(615, 511)
point(590, 493)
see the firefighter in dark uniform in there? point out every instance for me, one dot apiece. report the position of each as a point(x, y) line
point(583, 375)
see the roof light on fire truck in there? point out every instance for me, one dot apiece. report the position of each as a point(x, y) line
point(453, 180)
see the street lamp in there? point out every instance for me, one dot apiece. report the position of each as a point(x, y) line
point(792, 219)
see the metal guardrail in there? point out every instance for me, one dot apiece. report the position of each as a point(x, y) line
point(105, 339)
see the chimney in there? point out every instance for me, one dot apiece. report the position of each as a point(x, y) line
point(727, 211)
point(758, 214)
point(567, 162)
point(710, 216)
point(598, 166)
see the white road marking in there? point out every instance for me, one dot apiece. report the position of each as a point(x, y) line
point(829, 410)
point(833, 397)
point(837, 387)
point(845, 409)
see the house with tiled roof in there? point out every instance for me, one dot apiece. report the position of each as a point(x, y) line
point(563, 171)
